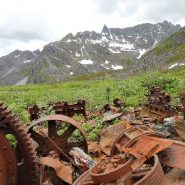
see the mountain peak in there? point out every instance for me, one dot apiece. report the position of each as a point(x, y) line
point(69, 36)
point(105, 30)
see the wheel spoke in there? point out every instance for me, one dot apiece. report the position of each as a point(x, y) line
point(65, 136)
point(37, 137)
point(52, 128)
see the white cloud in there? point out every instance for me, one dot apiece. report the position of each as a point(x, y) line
point(30, 24)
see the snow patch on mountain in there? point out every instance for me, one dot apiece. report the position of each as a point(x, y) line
point(176, 65)
point(68, 66)
point(27, 61)
point(23, 81)
point(113, 51)
point(142, 52)
point(8, 72)
point(86, 62)
point(117, 67)
point(124, 47)
point(77, 54)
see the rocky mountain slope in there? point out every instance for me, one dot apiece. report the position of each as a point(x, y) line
point(170, 53)
point(83, 53)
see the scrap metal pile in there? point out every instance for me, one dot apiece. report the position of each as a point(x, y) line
point(145, 147)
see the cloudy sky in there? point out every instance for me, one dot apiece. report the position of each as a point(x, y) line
point(30, 24)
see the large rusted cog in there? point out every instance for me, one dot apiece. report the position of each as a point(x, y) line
point(8, 165)
point(56, 133)
point(18, 160)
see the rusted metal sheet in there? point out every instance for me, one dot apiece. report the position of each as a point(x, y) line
point(64, 172)
point(148, 146)
point(108, 137)
point(173, 156)
point(129, 134)
point(109, 116)
point(94, 149)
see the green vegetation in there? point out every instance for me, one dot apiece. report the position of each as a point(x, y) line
point(96, 92)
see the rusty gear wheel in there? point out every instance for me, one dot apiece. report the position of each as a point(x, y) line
point(56, 136)
point(55, 133)
point(20, 154)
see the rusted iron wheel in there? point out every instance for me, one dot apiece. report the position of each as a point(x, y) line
point(111, 168)
point(150, 173)
point(173, 156)
point(85, 179)
point(56, 133)
point(19, 156)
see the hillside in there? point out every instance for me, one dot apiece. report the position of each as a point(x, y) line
point(169, 53)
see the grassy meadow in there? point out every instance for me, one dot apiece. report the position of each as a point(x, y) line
point(95, 92)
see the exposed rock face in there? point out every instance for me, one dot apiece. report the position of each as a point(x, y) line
point(15, 66)
point(83, 53)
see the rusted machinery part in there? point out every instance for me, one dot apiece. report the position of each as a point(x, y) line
point(64, 108)
point(63, 171)
point(8, 163)
point(108, 137)
point(24, 149)
point(141, 148)
point(111, 168)
point(85, 179)
point(145, 147)
point(151, 174)
point(130, 134)
point(52, 140)
point(173, 156)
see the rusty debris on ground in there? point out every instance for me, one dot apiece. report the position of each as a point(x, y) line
point(145, 146)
